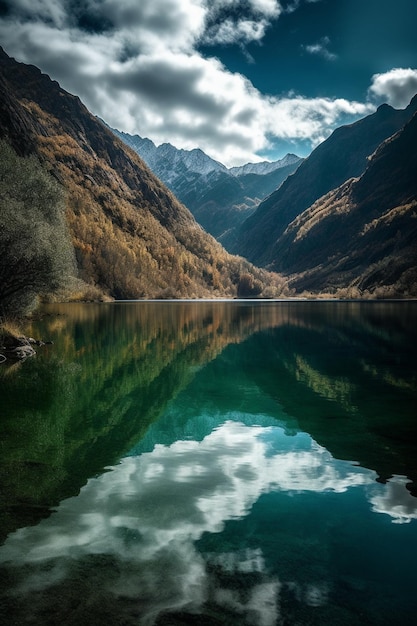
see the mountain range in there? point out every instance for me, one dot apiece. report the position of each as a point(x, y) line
point(343, 223)
point(220, 198)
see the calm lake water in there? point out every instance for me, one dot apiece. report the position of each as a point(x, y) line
point(212, 463)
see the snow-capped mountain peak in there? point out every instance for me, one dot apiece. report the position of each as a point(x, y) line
point(194, 160)
point(264, 167)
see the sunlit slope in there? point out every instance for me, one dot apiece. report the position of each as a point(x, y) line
point(132, 237)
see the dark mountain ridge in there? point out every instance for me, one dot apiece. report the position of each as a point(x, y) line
point(364, 233)
point(342, 156)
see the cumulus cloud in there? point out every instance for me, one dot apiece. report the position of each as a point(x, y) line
point(395, 87)
point(236, 31)
point(267, 8)
point(138, 66)
point(310, 118)
point(237, 22)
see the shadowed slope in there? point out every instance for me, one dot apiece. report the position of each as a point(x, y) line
point(363, 234)
point(342, 156)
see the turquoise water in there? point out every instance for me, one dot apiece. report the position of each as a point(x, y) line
point(212, 463)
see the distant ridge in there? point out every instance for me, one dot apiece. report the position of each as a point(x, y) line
point(364, 233)
point(265, 167)
point(165, 160)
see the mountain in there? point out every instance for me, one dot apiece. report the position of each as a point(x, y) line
point(219, 198)
point(132, 237)
point(362, 235)
point(265, 167)
point(168, 162)
point(342, 156)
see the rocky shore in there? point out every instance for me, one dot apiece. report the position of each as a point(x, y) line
point(17, 348)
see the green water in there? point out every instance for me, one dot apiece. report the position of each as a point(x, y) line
point(212, 463)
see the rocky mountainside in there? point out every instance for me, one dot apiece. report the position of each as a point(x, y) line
point(342, 156)
point(132, 237)
point(362, 235)
point(219, 198)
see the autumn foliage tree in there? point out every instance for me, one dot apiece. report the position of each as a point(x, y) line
point(248, 286)
point(36, 253)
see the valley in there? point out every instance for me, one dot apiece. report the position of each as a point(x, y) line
point(159, 222)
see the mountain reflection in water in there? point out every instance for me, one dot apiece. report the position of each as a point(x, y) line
point(216, 463)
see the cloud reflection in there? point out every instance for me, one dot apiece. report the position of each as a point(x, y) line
point(396, 501)
point(147, 512)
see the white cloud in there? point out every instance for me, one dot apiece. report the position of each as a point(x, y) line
point(290, 8)
point(310, 118)
point(295, 4)
point(267, 8)
point(50, 10)
point(270, 8)
point(321, 49)
point(395, 87)
point(240, 31)
point(245, 23)
point(137, 66)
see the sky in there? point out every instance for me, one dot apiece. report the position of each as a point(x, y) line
point(244, 80)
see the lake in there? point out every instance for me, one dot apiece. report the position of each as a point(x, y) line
point(212, 463)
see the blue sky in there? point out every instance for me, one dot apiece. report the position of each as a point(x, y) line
point(241, 79)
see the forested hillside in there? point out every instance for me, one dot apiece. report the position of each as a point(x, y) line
point(342, 156)
point(132, 237)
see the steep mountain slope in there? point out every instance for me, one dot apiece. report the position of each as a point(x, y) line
point(131, 236)
point(342, 156)
point(361, 236)
point(219, 198)
point(222, 202)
